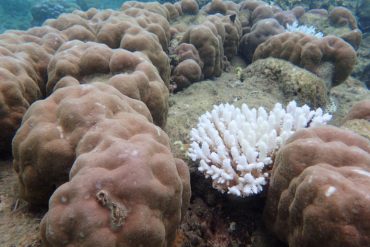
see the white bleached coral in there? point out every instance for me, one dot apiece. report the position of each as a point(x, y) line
point(310, 30)
point(236, 147)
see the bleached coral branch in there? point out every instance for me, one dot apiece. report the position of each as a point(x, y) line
point(235, 146)
point(310, 30)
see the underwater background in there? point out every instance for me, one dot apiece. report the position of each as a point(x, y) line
point(89, 83)
point(24, 14)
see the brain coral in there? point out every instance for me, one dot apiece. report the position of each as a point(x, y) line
point(125, 189)
point(319, 187)
point(312, 53)
point(129, 72)
point(44, 146)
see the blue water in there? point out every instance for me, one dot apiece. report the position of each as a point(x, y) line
point(23, 14)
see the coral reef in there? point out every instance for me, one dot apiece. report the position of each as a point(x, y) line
point(131, 73)
point(340, 16)
point(317, 189)
point(206, 40)
point(186, 73)
point(189, 7)
point(330, 57)
point(339, 21)
point(24, 60)
point(215, 38)
point(125, 187)
point(51, 130)
point(259, 33)
point(188, 66)
point(86, 96)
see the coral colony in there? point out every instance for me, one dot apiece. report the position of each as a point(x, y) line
point(236, 146)
point(310, 30)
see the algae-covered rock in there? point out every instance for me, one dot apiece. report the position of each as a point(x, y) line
point(294, 82)
point(360, 126)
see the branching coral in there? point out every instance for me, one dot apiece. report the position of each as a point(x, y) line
point(236, 146)
point(310, 30)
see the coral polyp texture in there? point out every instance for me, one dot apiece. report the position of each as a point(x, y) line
point(44, 147)
point(124, 183)
point(236, 146)
point(319, 189)
point(125, 189)
point(131, 73)
point(23, 59)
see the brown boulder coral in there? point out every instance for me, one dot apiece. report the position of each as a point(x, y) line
point(125, 189)
point(216, 39)
point(259, 33)
point(360, 110)
point(186, 73)
point(133, 29)
point(189, 7)
point(18, 89)
point(215, 6)
point(262, 12)
point(44, 146)
point(208, 42)
point(174, 10)
point(358, 118)
point(318, 194)
point(129, 72)
point(230, 30)
point(341, 16)
point(188, 66)
point(24, 56)
point(125, 186)
point(74, 26)
point(329, 57)
point(153, 7)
